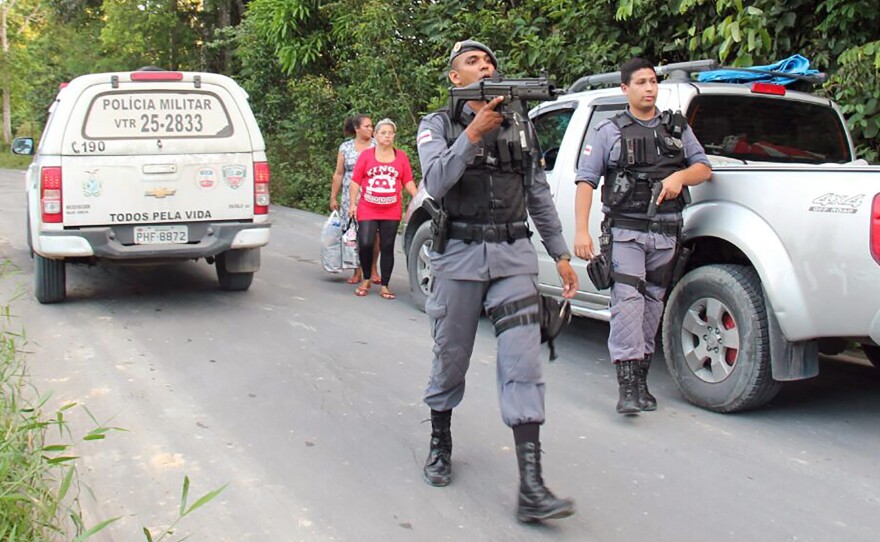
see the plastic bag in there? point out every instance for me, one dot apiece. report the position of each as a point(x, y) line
point(331, 244)
point(349, 243)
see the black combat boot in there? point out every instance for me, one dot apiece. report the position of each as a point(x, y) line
point(438, 467)
point(627, 376)
point(536, 502)
point(646, 400)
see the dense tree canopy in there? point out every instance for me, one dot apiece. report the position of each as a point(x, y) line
point(308, 64)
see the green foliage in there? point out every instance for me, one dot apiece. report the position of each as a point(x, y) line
point(163, 33)
point(36, 473)
point(856, 87)
point(307, 64)
point(13, 161)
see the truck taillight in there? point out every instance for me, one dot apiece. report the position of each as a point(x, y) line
point(875, 228)
point(156, 76)
point(261, 188)
point(768, 88)
point(50, 194)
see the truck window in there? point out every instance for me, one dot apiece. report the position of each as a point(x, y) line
point(768, 130)
point(600, 113)
point(150, 114)
point(551, 128)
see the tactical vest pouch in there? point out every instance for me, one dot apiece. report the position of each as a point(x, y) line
point(618, 190)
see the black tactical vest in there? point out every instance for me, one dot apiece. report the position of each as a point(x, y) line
point(647, 156)
point(490, 191)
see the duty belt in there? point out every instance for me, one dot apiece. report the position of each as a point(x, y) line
point(489, 233)
point(655, 226)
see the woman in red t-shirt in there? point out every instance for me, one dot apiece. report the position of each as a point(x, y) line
point(380, 175)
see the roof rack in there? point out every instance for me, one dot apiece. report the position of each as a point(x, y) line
point(678, 71)
point(681, 72)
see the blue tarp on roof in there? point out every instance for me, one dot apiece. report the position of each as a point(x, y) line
point(795, 64)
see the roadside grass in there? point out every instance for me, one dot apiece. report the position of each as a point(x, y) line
point(35, 476)
point(39, 487)
point(14, 161)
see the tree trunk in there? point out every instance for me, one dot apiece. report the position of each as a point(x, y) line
point(7, 108)
point(223, 20)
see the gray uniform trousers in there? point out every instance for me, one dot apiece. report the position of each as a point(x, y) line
point(636, 317)
point(454, 308)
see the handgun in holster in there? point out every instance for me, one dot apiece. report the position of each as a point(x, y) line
point(599, 266)
point(655, 193)
point(439, 225)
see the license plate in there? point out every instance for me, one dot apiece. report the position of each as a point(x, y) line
point(160, 235)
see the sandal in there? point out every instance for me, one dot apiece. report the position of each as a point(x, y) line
point(387, 295)
point(376, 280)
point(361, 291)
point(353, 280)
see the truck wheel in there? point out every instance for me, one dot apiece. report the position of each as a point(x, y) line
point(419, 264)
point(716, 339)
point(231, 282)
point(872, 353)
point(49, 280)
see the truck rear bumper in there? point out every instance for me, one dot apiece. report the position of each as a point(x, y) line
point(114, 243)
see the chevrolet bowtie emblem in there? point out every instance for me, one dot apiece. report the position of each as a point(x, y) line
point(160, 192)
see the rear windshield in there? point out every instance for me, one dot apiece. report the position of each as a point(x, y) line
point(768, 130)
point(148, 114)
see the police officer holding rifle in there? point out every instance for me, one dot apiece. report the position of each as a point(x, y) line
point(481, 164)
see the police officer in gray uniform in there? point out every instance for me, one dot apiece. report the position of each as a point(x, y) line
point(488, 263)
point(644, 155)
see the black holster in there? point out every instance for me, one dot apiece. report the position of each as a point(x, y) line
point(599, 266)
point(439, 225)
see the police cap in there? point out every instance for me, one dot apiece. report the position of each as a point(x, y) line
point(465, 46)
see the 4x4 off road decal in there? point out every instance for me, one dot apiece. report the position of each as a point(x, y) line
point(234, 175)
point(837, 203)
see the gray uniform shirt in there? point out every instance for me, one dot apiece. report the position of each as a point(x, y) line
point(442, 167)
point(604, 149)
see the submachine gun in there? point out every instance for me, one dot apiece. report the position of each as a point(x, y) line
point(518, 145)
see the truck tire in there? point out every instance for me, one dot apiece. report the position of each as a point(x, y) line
point(716, 339)
point(419, 265)
point(49, 280)
point(872, 353)
point(231, 282)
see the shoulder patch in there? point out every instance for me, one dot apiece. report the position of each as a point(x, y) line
point(423, 137)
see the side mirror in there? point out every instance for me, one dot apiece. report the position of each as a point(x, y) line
point(23, 145)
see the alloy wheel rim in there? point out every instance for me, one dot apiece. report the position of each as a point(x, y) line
point(710, 340)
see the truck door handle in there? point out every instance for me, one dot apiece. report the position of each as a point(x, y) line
point(153, 169)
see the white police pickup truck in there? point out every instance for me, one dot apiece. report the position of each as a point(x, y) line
point(147, 167)
point(786, 235)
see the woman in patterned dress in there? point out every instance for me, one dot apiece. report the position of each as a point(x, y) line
point(360, 129)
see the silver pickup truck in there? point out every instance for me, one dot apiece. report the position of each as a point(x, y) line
point(786, 236)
